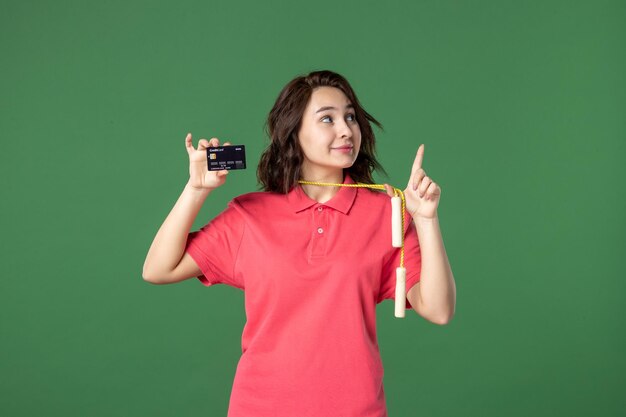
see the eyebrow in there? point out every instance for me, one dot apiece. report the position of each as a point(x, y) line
point(349, 106)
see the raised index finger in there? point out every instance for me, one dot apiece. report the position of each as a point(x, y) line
point(417, 164)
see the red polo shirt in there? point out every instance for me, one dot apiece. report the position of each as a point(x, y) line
point(312, 274)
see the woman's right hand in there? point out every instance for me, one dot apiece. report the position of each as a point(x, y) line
point(199, 175)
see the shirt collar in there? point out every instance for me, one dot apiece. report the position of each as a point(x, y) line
point(341, 201)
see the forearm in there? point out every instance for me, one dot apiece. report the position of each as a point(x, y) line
point(169, 243)
point(437, 286)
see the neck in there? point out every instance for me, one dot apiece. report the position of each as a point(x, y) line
point(322, 194)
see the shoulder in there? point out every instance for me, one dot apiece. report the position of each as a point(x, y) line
point(374, 201)
point(256, 197)
point(258, 202)
point(372, 196)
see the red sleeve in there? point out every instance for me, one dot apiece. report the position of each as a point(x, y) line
point(412, 264)
point(216, 245)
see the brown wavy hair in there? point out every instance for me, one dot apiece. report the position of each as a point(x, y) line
point(280, 163)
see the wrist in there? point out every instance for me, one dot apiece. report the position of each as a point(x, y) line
point(425, 221)
point(197, 190)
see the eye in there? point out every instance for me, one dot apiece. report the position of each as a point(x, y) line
point(350, 115)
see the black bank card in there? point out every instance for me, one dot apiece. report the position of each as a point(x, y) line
point(226, 157)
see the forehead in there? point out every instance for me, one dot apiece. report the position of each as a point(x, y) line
point(327, 96)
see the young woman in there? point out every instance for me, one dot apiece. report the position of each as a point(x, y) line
point(313, 261)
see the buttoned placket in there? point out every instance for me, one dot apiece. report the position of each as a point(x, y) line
point(320, 222)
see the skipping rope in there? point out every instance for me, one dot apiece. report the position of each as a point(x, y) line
point(398, 207)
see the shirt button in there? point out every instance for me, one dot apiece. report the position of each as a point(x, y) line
point(320, 230)
point(319, 208)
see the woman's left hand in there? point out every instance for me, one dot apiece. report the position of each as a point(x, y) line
point(422, 193)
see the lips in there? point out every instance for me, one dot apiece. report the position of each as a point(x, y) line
point(344, 147)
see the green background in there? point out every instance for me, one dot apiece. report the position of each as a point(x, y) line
point(520, 105)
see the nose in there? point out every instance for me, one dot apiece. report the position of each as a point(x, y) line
point(345, 130)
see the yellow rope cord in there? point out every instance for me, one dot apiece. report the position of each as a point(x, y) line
point(396, 192)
